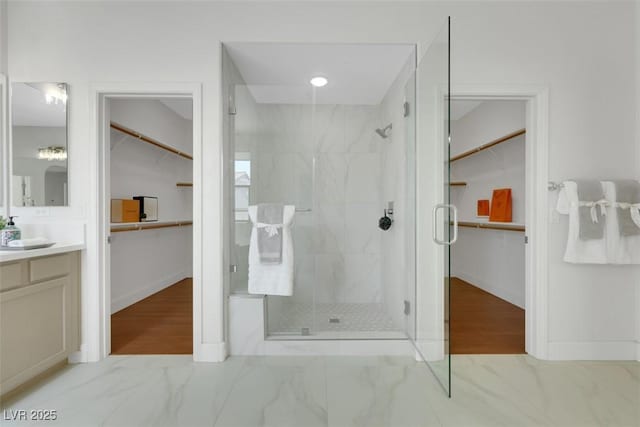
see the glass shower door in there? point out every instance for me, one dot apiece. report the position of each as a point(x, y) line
point(437, 217)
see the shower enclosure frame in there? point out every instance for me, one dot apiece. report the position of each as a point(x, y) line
point(230, 109)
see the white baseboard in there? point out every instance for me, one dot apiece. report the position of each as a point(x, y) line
point(80, 356)
point(594, 350)
point(140, 294)
point(210, 352)
point(499, 292)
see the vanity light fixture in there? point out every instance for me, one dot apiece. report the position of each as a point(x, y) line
point(52, 153)
point(319, 81)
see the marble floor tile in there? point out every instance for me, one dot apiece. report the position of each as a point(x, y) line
point(336, 391)
point(377, 395)
point(134, 391)
point(275, 394)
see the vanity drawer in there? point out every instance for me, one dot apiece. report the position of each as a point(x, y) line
point(48, 267)
point(11, 275)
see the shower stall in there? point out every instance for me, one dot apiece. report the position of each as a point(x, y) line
point(331, 129)
point(341, 153)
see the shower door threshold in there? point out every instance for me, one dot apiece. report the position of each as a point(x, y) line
point(338, 335)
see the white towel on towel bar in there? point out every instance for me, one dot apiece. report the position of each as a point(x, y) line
point(579, 251)
point(620, 249)
point(612, 248)
point(272, 279)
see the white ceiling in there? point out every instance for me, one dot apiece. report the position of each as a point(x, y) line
point(358, 74)
point(28, 106)
point(460, 108)
point(181, 106)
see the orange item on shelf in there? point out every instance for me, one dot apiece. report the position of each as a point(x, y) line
point(501, 205)
point(123, 210)
point(483, 208)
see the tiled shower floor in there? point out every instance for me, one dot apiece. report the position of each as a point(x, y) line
point(366, 320)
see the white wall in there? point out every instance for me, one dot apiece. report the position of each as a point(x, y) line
point(591, 309)
point(3, 37)
point(490, 259)
point(154, 119)
point(145, 262)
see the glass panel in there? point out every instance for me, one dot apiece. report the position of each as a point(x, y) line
point(432, 325)
point(411, 308)
point(39, 144)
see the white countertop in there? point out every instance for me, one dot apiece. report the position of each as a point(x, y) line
point(58, 248)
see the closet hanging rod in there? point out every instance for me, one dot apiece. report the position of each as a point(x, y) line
point(490, 226)
point(488, 145)
point(297, 210)
point(149, 140)
point(149, 226)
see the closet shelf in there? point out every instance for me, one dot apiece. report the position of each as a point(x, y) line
point(184, 184)
point(149, 140)
point(138, 226)
point(488, 145)
point(506, 226)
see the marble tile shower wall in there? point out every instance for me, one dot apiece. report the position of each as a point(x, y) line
point(326, 158)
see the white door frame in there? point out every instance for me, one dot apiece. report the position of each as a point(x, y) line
point(97, 307)
point(536, 201)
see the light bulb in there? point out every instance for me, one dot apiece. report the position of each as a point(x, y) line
point(319, 81)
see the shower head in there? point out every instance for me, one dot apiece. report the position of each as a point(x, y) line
point(384, 133)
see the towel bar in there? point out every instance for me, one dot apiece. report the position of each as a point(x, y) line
point(297, 210)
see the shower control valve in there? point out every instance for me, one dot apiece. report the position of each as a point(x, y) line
point(385, 222)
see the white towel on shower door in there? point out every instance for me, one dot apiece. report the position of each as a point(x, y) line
point(579, 251)
point(272, 279)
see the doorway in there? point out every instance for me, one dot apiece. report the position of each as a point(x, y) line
point(148, 181)
point(488, 186)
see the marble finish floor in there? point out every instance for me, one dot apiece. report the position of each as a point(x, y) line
point(335, 391)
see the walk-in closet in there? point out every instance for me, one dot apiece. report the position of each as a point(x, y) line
point(151, 186)
point(488, 177)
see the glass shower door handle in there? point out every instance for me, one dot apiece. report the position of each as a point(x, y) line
point(453, 209)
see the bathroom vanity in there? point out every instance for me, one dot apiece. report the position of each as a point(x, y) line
point(39, 311)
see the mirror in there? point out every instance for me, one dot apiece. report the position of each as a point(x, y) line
point(3, 164)
point(39, 144)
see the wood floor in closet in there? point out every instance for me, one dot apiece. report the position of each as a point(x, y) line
point(482, 323)
point(159, 324)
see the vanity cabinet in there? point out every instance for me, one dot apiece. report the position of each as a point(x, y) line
point(39, 316)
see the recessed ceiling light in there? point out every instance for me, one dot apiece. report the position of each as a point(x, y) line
point(319, 81)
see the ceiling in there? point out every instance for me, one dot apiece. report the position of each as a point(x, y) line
point(181, 106)
point(29, 108)
point(358, 74)
point(460, 108)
